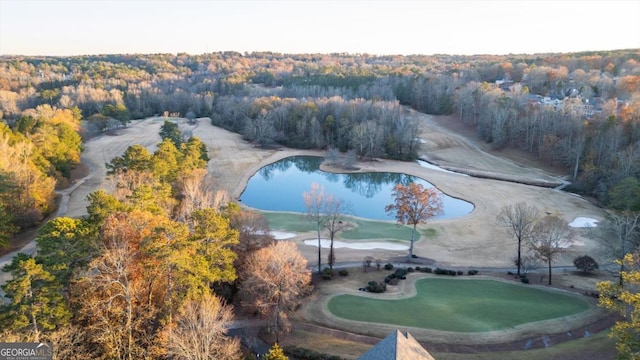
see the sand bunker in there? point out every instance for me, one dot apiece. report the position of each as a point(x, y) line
point(584, 222)
point(427, 165)
point(280, 235)
point(368, 245)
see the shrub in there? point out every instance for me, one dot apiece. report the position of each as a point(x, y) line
point(388, 266)
point(343, 272)
point(472, 272)
point(366, 263)
point(460, 273)
point(524, 280)
point(417, 268)
point(426, 270)
point(375, 287)
point(294, 352)
point(410, 270)
point(585, 263)
point(400, 272)
point(439, 271)
point(327, 274)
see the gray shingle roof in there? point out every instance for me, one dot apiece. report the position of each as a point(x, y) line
point(397, 346)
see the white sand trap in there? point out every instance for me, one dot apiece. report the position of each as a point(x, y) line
point(279, 235)
point(584, 222)
point(325, 243)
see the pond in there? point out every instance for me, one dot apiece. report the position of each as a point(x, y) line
point(279, 187)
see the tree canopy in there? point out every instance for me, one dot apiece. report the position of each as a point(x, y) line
point(625, 302)
point(274, 280)
point(414, 204)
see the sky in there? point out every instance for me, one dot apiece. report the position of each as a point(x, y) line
point(82, 27)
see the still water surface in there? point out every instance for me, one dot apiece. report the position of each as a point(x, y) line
point(279, 187)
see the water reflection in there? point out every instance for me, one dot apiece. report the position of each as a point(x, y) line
point(279, 187)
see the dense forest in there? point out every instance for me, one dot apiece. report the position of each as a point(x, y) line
point(579, 111)
point(144, 273)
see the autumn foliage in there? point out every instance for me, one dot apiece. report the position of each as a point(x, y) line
point(414, 204)
point(273, 282)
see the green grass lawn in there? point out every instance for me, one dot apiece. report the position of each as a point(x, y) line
point(364, 229)
point(461, 306)
point(288, 222)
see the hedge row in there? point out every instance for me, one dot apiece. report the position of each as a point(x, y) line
point(439, 271)
point(297, 353)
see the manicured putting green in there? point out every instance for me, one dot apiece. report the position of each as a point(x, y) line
point(364, 229)
point(461, 306)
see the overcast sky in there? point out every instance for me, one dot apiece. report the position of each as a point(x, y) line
point(53, 27)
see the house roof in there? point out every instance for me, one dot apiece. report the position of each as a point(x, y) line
point(397, 346)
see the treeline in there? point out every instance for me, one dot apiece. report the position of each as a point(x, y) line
point(38, 153)
point(600, 149)
point(588, 123)
point(149, 271)
point(152, 84)
point(372, 128)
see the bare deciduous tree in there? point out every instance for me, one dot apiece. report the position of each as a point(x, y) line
point(518, 220)
point(366, 262)
point(197, 194)
point(327, 212)
point(332, 156)
point(551, 236)
point(253, 230)
point(273, 282)
point(622, 231)
point(314, 202)
point(200, 333)
point(108, 291)
point(335, 221)
point(622, 235)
